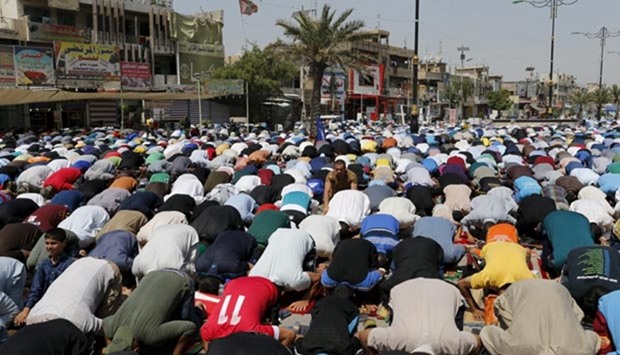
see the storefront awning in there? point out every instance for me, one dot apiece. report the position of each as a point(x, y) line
point(25, 96)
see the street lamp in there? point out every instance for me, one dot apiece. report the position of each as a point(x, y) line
point(553, 4)
point(602, 34)
point(415, 114)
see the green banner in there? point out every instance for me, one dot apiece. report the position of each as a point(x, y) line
point(197, 62)
point(197, 30)
point(224, 87)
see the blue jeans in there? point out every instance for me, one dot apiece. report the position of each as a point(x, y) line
point(366, 285)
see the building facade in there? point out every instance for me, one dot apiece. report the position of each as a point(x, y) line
point(103, 45)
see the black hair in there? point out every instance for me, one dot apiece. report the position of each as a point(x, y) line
point(597, 232)
point(210, 285)
point(589, 303)
point(343, 291)
point(457, 215)
point(57, 234)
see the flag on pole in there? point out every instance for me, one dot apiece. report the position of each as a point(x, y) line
point(320, 130)
point(247, 7)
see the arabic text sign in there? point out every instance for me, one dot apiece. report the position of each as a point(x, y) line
point(224, 87)
point(7, 66)
point(87, 62)
point(34, 66)
point(49, 32)
point(73, 5)
point(136, 76)
point(198, 61)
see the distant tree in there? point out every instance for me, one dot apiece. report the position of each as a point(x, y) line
point(600, 97)
point(324, 42)
point(500, 101)
point(615, 94)
point(457, 92)
point(580, 98)
point(264, 71)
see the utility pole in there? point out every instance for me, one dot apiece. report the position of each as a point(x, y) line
point(553, 4)
point(415, 114)
point(602, 35)
point(462, 49)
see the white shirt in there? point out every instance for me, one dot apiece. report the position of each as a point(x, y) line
point(593, 193)
point(34, 197)
point(325, 231)
point(585, 176)
point(247, 183)
point(58, 164)
point(297, 187)
point(188, 184)
point(76, 294)
point(86, 222)
point(400, 208)
point(34, 176)
point(420, 176)
point(350, 207)
point(160, 219)
point(171, 246)
point(489, 207)
point(593, 210)
point(282, 261)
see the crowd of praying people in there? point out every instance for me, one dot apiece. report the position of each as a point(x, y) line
point(454, 239)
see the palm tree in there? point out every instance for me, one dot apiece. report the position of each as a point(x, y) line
point(600, 97)
point(323, 42)
point(581, 98)
point(615, 93)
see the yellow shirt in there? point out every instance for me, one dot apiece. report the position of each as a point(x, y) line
point(505, 264)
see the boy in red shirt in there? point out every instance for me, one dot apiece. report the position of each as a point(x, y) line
point(242, 307)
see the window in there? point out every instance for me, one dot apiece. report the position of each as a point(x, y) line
point(65, 17)
point(37, 14)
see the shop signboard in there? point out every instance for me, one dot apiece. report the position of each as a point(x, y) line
point(87, 65)
point(43, 32)
point(135, 76)
point(7, 66)
point(34, 66)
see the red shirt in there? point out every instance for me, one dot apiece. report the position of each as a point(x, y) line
point(63, 179)
point(241, 309)
point(209, 301)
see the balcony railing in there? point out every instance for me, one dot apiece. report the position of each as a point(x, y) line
point(14, 29)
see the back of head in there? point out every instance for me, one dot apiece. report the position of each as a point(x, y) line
point(589, 303)
point(210, 285)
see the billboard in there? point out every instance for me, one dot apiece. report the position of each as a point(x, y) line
point(135, 76)
point(34, 66)
point(334, 81)
point(72, 5)
point(198, 61)
point(224, 87)
point(87, 65)
point(7, 66)
point(43, 32)
point(367, 82)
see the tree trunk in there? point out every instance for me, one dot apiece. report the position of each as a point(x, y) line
point(599, 110)
point(499, 114)
point(617, 110)
point(316, 72)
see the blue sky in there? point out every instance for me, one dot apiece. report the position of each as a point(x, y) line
point(506, 37)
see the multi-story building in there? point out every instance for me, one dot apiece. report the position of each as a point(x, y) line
point(103, 45)
point(524, 94)
point(563, 85)
point(477, 104)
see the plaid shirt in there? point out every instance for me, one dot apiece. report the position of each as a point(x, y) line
point(556, 193)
